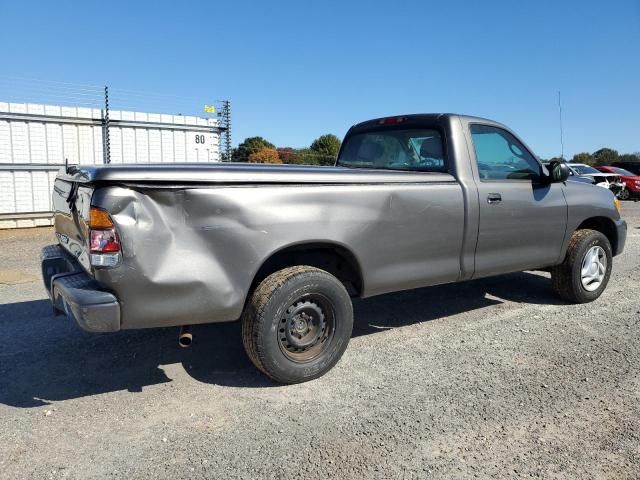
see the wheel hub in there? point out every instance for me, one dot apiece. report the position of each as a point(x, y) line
point(300, 325)
point(594, 268)
point(303, 329)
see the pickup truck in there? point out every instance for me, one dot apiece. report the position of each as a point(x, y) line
point(413, 201)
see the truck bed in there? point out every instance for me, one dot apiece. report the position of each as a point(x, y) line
point(243, 173)
point(194, 236)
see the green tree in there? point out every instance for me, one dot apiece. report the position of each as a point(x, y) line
point(583, 157)
point(249, 146)
point(326, 147)
point(306, 156)
point(605, 156)
point(629, 157)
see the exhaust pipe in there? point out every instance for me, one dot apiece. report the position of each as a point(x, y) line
point(185, 338)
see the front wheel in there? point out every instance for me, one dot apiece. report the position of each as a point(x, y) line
point(585, 271)
point(297, 324)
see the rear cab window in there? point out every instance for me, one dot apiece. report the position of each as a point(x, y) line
point(405, 149)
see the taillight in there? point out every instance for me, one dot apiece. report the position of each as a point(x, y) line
point(104, 241)
point(104, 244)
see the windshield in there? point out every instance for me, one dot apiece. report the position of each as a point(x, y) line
point(410, 149)
point(584, 169)
point(622, 171)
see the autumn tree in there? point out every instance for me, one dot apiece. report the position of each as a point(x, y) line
point(288, 155)
point(265, 155)
point(249, 146)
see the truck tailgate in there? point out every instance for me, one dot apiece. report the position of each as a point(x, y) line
point(71, 203)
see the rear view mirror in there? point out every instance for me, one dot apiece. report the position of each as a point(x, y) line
point(558, 172)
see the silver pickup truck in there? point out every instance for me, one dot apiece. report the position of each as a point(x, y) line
point(413, 201)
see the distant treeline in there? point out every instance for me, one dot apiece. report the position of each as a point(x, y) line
point(604, 156)
point(322, 151)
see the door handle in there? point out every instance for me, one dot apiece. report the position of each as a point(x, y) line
point(494, 198)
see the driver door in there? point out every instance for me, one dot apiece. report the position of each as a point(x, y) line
point(522, 219)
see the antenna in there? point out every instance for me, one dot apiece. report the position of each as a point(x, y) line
point(561, 139)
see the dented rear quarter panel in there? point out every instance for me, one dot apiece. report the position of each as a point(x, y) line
point(191, 254)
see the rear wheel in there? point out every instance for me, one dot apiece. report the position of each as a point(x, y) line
point(585, 271)
point(297, 324)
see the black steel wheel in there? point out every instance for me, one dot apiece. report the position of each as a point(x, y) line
point(306, 328)
point(297, 324)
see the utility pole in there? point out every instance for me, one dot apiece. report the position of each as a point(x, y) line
point(106, 145)
point(226, 122)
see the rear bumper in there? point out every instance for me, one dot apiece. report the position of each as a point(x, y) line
point(76, 294)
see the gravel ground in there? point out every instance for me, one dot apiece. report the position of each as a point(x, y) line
point(493, 378)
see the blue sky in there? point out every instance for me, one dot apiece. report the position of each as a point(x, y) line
point(295, 70)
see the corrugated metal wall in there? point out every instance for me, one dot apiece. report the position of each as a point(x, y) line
point(26, 191)
point(36, 139)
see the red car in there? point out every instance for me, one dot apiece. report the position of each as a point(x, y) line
point(631, 180)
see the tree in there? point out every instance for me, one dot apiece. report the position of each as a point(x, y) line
point(605, 156)
point(249, 146)
point(306, 156)
point(326, 147)
point(288, 155)
point(584, 157)
point(629, 157)
point(266, 155)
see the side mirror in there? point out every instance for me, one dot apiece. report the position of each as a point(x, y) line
point(558, 172)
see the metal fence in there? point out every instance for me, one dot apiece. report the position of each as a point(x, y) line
point(37, 138)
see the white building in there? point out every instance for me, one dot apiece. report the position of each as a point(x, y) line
point(36, 139)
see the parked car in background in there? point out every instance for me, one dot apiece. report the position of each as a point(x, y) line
point(631, 181)
point(573, 175)
point(611, 181)
point(633, 167)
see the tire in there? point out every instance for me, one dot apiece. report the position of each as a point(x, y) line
point(567, 278)
point(624, 194)
point(297, 324)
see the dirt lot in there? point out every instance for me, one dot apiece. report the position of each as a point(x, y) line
point(493, 378)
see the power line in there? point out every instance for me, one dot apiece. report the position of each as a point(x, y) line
point(49, 83)
point(137, 93)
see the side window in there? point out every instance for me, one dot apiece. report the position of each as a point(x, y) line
point(500, 156)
